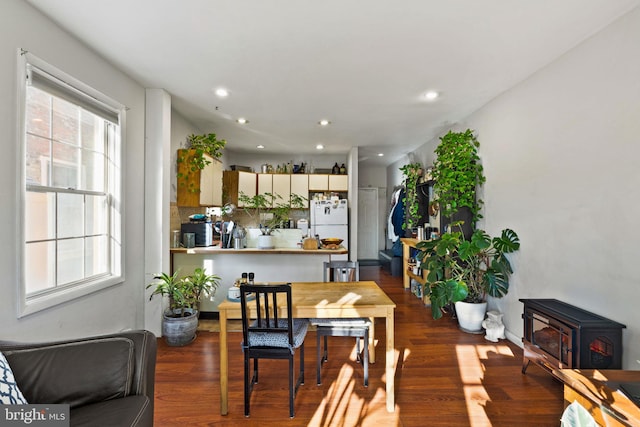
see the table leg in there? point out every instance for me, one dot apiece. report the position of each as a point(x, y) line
point(390, 362)
point(372, 341)
point(224, 365)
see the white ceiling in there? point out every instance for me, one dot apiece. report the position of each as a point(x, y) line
point(364, 65)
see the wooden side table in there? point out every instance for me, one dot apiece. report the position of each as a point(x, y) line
point(597, 391)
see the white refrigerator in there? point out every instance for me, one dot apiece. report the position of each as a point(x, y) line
point(330, 218)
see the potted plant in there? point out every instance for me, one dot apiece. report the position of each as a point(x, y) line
point(412, 173)
point(257, 205)
point(462, 270)
point(196, 157)
point(457, 174)
point(180, 319)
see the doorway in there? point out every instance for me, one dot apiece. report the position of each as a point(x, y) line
point(368, 224)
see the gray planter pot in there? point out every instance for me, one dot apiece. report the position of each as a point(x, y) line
point(179, 331)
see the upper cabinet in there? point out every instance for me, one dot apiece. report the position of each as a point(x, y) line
point(199, 187)
point(236, 182)
point(338, 183)
point(300, 186)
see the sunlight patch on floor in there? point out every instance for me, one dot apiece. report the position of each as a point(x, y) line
point(470, 363)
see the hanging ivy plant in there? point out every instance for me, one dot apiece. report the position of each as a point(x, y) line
point(457, 173)
point(411, 174)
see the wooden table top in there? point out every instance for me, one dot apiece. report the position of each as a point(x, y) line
point(332, 299)
point(601, 387)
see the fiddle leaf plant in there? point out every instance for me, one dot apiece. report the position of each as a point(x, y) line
point(411, 172)
point(458, 173)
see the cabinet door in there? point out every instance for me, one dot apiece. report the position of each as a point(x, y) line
point(246, 184)
point(300, 186)
point(265, 183)
point(338, 182)
point(211, 184)
point(281, 188)
point(318, 182)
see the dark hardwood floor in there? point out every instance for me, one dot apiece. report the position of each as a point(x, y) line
point(444, 377)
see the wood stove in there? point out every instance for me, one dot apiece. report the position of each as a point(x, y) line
point(558, 335)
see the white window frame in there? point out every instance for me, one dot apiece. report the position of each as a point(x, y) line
point(38, 301)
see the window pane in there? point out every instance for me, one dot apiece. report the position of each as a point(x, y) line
point(39, 266)
point(40, 216)
point(66, 127)
point(70, 260)
point(92, 137)
point(96, 215)
point(70, 215)
point(92, 171)
point(37, 161)
point(65, 166)
point(38, 112)
point(96, 260)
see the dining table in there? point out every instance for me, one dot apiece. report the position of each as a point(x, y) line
point(324, 300)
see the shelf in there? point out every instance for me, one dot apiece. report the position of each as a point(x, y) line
point(417, 278)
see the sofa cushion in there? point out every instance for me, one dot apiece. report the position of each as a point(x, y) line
point(75, 373)
point(128, 411)
point(10, 393)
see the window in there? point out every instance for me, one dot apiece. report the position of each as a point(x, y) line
point(71, 204)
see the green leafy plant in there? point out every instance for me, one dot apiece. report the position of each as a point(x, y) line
point(466, 270)
point(411, 174)
point(193, 158)
point(186, 292)
point(255, 205)
point(458, 173)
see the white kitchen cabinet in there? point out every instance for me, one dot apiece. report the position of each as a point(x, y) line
point(199, 187)
point(236, 182)
point(318, 182)
point(300, 186)
point(339, 183)
point(281, 188)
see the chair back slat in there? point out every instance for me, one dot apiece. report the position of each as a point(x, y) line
point(263, 301)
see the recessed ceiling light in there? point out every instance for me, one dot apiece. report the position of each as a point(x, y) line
point(260, 146)
point(222, 92)
point(431, 95)
point(324, 122)
point(380, 154)
point(319, 147)
point(242, 120)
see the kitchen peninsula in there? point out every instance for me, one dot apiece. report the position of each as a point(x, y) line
point(269, 265)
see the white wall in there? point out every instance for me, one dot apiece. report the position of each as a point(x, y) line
point(116, 308)
point(560, 153)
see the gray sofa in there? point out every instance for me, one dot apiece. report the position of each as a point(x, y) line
point(107, 380)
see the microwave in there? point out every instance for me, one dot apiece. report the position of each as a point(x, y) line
point(202, 230)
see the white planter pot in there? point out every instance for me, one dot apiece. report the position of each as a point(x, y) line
point(265, 242)
point(470, 316)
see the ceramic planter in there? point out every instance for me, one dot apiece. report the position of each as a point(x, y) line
point(179, 331)
point(470, 316)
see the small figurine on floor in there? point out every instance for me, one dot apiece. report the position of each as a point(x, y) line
point(493, 326)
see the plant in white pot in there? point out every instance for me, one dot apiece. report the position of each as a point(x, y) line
point(180, 319)
point(467, 271)
point(279, 208)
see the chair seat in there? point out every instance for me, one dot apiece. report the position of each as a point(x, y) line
point(280, 339)
point(342, 322)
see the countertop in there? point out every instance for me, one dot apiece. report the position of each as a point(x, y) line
point(204, 250)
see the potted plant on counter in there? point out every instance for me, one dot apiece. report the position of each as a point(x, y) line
point(180, 319)
point(256, 206)
point(467, 271)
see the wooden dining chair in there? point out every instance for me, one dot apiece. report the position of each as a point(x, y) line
point(269, 333)
point(342, 271)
